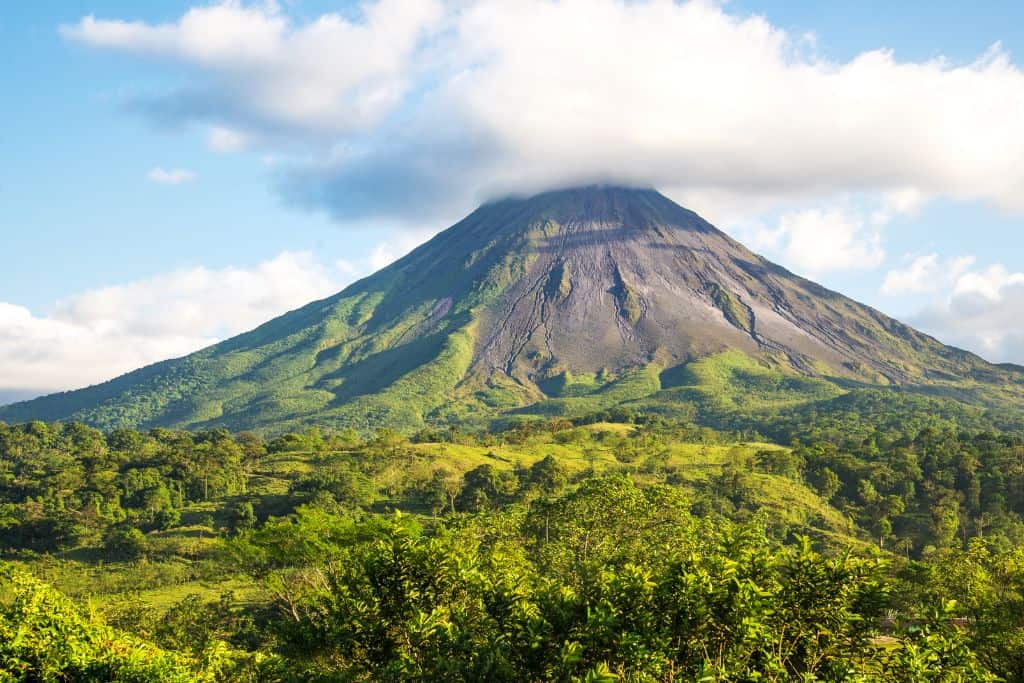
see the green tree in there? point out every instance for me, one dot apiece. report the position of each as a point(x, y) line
point(243, 517)
point(548, 475)
point(126, 543)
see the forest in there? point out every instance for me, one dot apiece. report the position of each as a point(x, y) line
point(618, 546)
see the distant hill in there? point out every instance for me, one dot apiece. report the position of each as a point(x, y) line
point(558, 304)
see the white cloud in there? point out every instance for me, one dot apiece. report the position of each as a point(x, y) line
point(989, 284)
point(691, 93)
point(921, 275)
point(982, 312)
point(104, 332)
point(925, 274)
point(329, 74)
point(441, 102)
point(386, 253)
point(48, 353)
point(175, 176)
point(896, 203)
point(816, 240)
point(221, 139)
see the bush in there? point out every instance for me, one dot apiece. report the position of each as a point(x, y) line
point(166, 519)
point(44, 637)
point(126, 544)
point(243, 517)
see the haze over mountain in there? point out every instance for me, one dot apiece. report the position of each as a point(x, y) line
point(553, 304)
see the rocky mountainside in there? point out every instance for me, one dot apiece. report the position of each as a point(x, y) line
point(601, 292)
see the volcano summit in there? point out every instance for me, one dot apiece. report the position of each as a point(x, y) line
point(557, 304)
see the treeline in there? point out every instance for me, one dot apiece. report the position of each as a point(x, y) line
point(915, 473)
point(67, 485)
point(884, 416)
point(933, 490)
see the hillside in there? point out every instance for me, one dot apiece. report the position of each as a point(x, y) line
point(566, 302)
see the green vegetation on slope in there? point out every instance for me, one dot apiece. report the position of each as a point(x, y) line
point(732, 308)
point(630, 385)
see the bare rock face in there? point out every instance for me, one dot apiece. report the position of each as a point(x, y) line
point(595, 281)
point(615, 277)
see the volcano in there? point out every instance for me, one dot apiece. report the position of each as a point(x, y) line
point(551, 304)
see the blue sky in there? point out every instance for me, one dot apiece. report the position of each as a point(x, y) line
point(174, 172)
point(78, 205)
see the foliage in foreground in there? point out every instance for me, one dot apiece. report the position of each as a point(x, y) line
point(607, 582)
point(44, 637)
point(610, 582)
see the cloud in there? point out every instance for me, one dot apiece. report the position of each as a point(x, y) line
point(920, 276)
point(414, 178)
point(175, 176)
point(842, 233)
point(48, 354)
point(222, 139)
point(255, 68)
point(386, 253)
point(982, 311)
point(925, 274)
point(442, 102)
point(102, 333)
point(817, 240)
point(989, 284)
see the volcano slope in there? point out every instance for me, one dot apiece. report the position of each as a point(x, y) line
point(558, 304)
